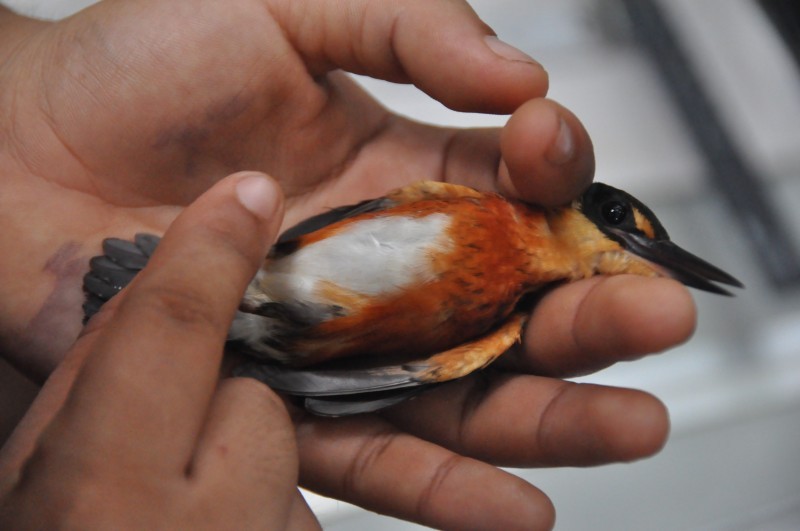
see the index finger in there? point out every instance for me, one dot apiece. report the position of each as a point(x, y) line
point(155, 361)
point(588, 325)
point(441, 46)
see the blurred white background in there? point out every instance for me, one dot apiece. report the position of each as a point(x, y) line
point(733, 391)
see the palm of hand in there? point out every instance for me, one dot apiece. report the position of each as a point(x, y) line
point(120, 138)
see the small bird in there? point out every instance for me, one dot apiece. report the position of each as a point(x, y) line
point(364, 306)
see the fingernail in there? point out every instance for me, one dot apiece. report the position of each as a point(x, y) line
point(562, 150)
point(258, 194)
point(506, 51)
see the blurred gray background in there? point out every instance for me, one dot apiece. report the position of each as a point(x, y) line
point(732, 462)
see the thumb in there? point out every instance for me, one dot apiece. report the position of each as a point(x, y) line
point(247, 236)
point(179, 308)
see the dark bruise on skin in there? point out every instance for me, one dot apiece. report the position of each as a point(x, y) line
point(193, 139)
point(58, 322)
point(188, 136)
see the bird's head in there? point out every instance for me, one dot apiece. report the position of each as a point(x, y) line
point(616, 233)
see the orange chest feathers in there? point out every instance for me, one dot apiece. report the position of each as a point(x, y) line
point(414, 279)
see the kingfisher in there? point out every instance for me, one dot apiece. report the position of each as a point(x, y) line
point(364, 306)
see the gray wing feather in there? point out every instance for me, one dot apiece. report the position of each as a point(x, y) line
point(330, 382)
point(147, 243)
point(125, 253)
point(339, 392)
point(110, 272)
point(341, 406)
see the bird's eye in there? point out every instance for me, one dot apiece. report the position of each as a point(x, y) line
point(614, 212)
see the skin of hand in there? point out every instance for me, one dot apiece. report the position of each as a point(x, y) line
point(115, 119)
point(134, 429)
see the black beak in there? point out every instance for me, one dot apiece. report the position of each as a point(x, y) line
point(681, 265)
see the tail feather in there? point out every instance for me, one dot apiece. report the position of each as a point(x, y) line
point(125, 253)
point(341, 406)
point(340, 392)
point(111, 272)
point(330, 382)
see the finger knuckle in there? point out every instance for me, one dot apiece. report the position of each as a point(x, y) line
point(370, 452)
point(427, 501)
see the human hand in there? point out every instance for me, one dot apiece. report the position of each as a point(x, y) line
point(126, 115)
point(134, 430)
point(118, 117)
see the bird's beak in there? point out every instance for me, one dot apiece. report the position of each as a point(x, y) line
point(681, 265)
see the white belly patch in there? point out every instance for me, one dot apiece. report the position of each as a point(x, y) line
point(372, 257)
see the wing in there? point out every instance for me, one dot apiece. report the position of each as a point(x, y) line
point(422, 190)
point(122, 259)
point(110, 272)
point(314, 223)
point(337, 392)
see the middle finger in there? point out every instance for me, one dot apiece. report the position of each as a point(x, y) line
point(531, 421)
